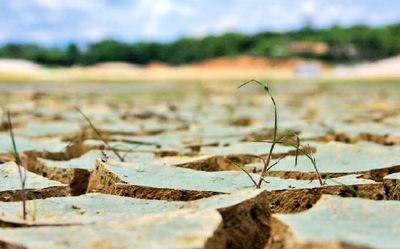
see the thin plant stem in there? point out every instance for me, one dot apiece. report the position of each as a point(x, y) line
point(247, 173)
point(266, 164)
point(297, 149)
point(99, 134)
point(266, 89)
point(22, 173)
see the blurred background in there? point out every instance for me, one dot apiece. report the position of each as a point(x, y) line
point(225, 40)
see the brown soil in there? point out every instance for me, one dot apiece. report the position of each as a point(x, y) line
point(77, 178)
point(380, 139)
point(363, 136)
point(374, 174)
point(15, 195)
point(392, 189)
point(250, 62)
point(245, 225)
point(296, 200)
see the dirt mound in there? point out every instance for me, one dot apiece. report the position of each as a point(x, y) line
point(16, 65)
point(251, 62)
point(238, 62)
point(116, 65)
point(157, 65)
point(387, 67)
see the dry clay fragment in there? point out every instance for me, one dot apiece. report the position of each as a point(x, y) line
point(76, 172)
point(243, 152)
point(37, 187)
point(225, 157)
point(176, 140)
point(368, 131)
point(49, 129)
point(179, 229)
point(214, 129)
point(165, 182)
point(31, 148)
point(202, 162)
point(125, 147)
point(338, 223)
point(92, 144)
point(338, 159)
point(243, 211)
point(50, 145)
point(392, 186)
point(143, 128)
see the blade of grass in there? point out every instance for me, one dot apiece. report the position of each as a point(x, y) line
point(274, 164)
point(266, 89)
point(314, 163)
point(99, 134)
point(312, 159)
point(22, 173)
point(247, 173)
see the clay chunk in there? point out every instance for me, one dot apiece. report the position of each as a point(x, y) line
point(243, 211)
point(76, 171)
point(337, 159)
point(165, 182)
point(37, 187)
point(338, 223)
point(181, 229)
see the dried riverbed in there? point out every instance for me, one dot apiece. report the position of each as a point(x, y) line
point(190, 153)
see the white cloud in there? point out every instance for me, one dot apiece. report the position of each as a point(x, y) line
point(309, 7)
point(65, 4)
point(60, 21)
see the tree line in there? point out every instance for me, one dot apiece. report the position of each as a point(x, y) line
point(345, 44)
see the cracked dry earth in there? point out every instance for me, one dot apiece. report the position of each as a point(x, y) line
point(180, 185)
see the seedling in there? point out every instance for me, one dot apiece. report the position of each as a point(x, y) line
point(21, 170)
point(280, 140)
point(121, 158)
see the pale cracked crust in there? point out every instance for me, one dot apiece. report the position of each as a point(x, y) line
point(282, 237)
point(104, 181)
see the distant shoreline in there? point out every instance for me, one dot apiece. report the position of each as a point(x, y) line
point(222, 69)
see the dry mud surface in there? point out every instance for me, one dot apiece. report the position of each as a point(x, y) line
point(190, 152)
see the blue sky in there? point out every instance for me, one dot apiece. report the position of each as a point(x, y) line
point(52, 22)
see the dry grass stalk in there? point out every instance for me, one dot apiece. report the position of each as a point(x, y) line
point(21, 170)
point(121, 158)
